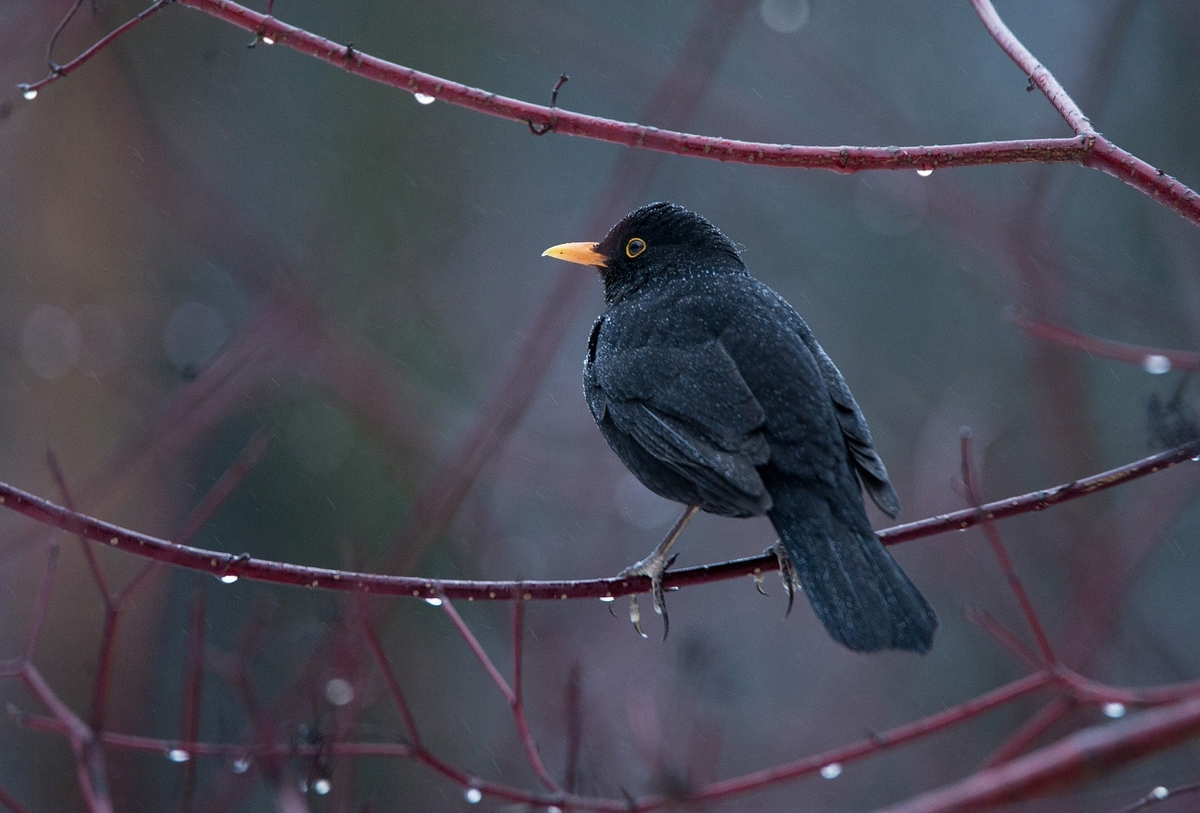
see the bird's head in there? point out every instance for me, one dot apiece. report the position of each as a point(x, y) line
point(658, 240)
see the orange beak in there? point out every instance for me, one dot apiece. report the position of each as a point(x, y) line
point(579, 253)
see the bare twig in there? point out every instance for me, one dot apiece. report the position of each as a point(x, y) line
point(241, 566)
point(1002, 557)
point(30, 89)
point(1155, 359)
point(1084, 753)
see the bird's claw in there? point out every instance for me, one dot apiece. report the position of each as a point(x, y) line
point(758, 583)
point(653, 568)
point(787, 572)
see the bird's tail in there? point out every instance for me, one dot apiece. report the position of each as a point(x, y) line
point(855, 586)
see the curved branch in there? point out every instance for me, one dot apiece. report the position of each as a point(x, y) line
point(1088, 149)
point(230, 567)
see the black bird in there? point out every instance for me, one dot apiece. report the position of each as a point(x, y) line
point(713, 392)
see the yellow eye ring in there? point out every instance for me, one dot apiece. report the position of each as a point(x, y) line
point(635, 247)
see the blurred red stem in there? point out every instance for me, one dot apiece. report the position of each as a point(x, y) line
point(1002, 557)
point(1096, 749)
point(1104, 348)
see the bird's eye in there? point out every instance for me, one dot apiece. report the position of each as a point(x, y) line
point(635, 247)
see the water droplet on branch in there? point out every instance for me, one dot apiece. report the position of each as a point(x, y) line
point(1113, 710)
point(1156, 364)
point(434, 602)
point(925, 173)
point(832, 771)
point(473, 796)
point(30, 94)
point(178, 755)
point(424, 98)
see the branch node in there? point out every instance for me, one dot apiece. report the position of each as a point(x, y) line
point(542, 129)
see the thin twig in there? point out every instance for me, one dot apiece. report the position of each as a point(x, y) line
point(1095, 749)
point(1037, 74)
point(1001, 553)
point(30, 89)
point(1141, 355)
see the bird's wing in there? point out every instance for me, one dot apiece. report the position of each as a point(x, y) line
point(690, 408)
point(867, 462)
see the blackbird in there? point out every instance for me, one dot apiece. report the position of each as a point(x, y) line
point(712, 390)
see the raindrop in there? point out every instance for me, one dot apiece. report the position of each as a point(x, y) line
point(228, 578)
point(241, 765)
point(434, 602)
point(321, 786)
point(554, 809)
point(925, 173)
point(784, 16)
point(339, 692)
point(178, 755)
point(1114, 710)
point(424, 98)
point(1196, 459)
point(267, 40)
point(473, 795)
point(832, 771)
point(30, 94)
point(607, 599)
point(1160, 792)
point(1156, 364)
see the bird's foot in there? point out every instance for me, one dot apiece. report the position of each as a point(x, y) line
point(654, 567)
point(787, 572)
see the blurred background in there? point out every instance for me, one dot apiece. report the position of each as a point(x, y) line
point(206, 247)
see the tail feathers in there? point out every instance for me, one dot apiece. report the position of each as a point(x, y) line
point(861, 595)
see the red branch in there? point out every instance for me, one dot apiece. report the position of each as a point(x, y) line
point(1104, 348)
point(248, 567)
point(1089, 149)
point(970, 484)
point(1037, 74)
point(1083, 753)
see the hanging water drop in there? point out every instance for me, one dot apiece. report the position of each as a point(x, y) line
point(178, 755)
point(30, 94)
point(473, 796)
point(832, 771)
point(607, 599)
point(925, 173)
point(240, 765)
point(434, 602)
point(228, 578)
point(322, 786)
point(339, 691)
point(423, 98)
point(267, 40)
point(1160, 793)
point(1156, 364)
point(1113, 710)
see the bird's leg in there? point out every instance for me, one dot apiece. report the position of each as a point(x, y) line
point(787, 572)
point(654, 566)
